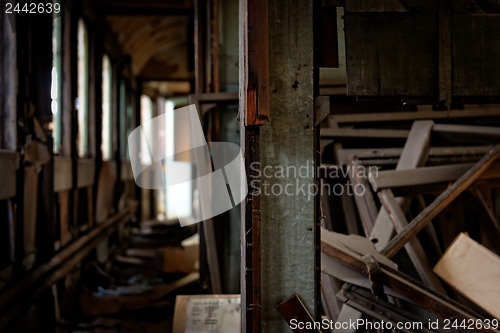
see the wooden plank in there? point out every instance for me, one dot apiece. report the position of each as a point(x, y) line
point(345, 155)
point(413, 155)
point(329, 288)
point(487, 131)
point(428, 299)
point(426, 175)
point(212, 257)
point(288, 223)
point(9, 163)
point(473, 271)
point(254, 79)
point(379, 66)
point(444, 54)
point(364, 201)
point(410, 116)
point(63, 179)
point(475, 60)
point(126, 172)
point(363, 133)
point(414, 249)
point(85, 172)
point(370, 6)
point(443, 200)
point(321, 109)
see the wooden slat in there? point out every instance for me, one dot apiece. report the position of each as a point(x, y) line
point(63, 180)
point(426, 175)
point(441, 202)
point(344, 155)
point(488, 131)
point(472, 270)
point(86, 173)
point(9, 163)
point(401, 283)
point(374, 68)
point(369, 6)
point(363, 133)
point(126, 171)
point(409, 116)
point(414, 249)
point(413, 155)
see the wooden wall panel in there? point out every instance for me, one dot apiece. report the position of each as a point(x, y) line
point(391, 54)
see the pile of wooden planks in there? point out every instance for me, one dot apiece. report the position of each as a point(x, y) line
point(422, 217)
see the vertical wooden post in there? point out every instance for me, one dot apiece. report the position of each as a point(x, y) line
point(278, 226)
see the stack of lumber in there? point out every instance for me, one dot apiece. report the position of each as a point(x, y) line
point(417, 236)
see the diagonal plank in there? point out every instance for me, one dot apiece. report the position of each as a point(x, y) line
point(413, 247)
point(440, 203)
point(413, 155)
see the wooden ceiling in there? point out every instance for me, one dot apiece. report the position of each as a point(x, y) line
point(158, 36)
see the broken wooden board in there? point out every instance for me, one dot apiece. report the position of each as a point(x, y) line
point(441, 202)
point(474, 271)
point(414, 154)
point(424, 297)
point(345, 155)
point(355, 245)
point(426, 175)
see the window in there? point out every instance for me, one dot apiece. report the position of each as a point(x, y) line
point(146, 114)
point(82, 89)
point(123, 114)
point(107, 128)
point(55, 90)
point(129, 120)
point(178, 199)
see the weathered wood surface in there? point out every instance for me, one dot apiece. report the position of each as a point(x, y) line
point(392, 54)
point(441, 202)
point(410, 116)
point(414, 154)
point(475, 54)
point(288, 222)
point(9, 163)
point(345, 155)
point(414, 249)
point(472, 270)
point(351, 257)
point(426, 175)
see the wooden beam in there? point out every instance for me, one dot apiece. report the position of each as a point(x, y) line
point(426, 175)
point(441, 202)
point(487, 131)
point(363, 133)
point(444, 52)
point(428, 299)
point(9, 164)
point(288, 222)
point(254, 79)
point(411, 116)
point(345, 155)
point(85, 172)
point(414, 249)
point(472, 270)
point(364, 201)
point(413, 155)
